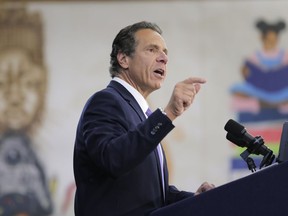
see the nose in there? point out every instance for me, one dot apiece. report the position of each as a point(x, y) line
point(163, 57)
point(14, 92)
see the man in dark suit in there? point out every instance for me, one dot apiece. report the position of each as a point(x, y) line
point(119, 165)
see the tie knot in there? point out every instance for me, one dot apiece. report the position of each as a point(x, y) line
point(148, 112)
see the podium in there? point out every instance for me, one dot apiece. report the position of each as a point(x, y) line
point(263, 193)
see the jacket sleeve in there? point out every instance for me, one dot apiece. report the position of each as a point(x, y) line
point(174, 195)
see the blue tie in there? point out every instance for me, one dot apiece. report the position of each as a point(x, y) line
point(148, 112)
point(160, 154)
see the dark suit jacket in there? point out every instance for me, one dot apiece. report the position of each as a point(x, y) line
point(116, 165)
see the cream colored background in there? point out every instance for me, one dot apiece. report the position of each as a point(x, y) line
point(208, 39)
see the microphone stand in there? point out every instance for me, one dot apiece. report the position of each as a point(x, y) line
point(250, 162)
point(255, 149)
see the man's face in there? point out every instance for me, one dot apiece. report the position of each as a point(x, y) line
point(147, 66)
point(21, 90)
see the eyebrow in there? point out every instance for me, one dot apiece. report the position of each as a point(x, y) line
point(158, 48)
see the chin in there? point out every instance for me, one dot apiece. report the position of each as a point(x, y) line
point(158, 86)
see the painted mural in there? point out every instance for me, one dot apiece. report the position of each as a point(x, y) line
point(260, 101)
point(52, 58)
point(24, 188)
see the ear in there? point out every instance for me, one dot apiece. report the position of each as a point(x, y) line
point(122, 60)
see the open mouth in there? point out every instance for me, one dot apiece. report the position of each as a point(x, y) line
point(160, 72)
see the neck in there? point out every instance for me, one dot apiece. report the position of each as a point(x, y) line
point(124, 76)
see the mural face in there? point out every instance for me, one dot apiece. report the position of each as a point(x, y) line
point(22, 85)
point(270, 40)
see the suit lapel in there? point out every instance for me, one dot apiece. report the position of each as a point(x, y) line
point(128, 97)
point(133, 103)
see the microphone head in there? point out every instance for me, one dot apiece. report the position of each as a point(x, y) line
point(233, 139)
point(234, 128)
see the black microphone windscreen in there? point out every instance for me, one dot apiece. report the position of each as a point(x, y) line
point(233, 139)
point(234, 128)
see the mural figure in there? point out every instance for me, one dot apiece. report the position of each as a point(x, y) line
point(261, 100)
point(264, 93)
point(23, 79)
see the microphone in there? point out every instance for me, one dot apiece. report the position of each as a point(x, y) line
point(238, 135)
point(237, 141)
point(238, 131)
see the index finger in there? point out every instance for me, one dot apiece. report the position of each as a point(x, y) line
point(192, 80)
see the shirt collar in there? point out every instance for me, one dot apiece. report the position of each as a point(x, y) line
point(138, 97)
